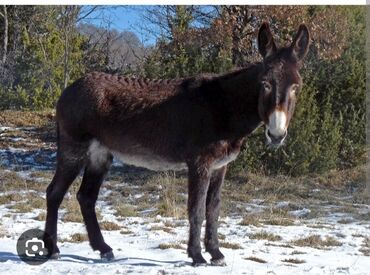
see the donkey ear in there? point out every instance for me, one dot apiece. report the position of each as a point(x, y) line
point(266, 44)
point(300, 43)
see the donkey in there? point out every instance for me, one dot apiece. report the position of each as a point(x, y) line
point(196, 123)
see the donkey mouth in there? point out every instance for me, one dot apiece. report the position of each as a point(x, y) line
point(275, 141)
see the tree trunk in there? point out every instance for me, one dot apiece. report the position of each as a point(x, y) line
point(4, 14)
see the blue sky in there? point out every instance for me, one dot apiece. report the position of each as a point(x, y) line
point(123, 18)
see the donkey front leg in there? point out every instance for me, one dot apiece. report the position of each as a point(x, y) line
point(87, 195)
point(198, 186)
point(212, 212)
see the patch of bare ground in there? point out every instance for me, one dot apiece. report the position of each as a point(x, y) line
point(316, 241)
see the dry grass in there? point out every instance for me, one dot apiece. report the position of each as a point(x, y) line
point(21, 207)
point(174, 245)
point(293, 261)
point(221, 236)
point(9, 198)
point(251, 219)
point(41, 216)
point(279, 245)
point(263, 235)
point(316, 241)
point(296, 252)
point(272, 216)
point(365, 246)
point(320, 226)
point(230, 245)
point(345, 221)
point(255, 259)
point(72, 206)
point(11, 181)
point(125, 231)
point(78, 238)
point(171, 202)
point(124, 210)
point(161, 228)
point(36, 201)
point(109, 226)
point(26, 118)
point(3, 232)
point(73, 212)
point(274, 188)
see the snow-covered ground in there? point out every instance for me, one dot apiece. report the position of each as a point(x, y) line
point(138, 240)
point(139, 252)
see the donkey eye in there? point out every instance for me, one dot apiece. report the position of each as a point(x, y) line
point(266, 85)
point(294, 88)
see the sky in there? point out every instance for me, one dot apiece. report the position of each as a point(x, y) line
point(123, 18)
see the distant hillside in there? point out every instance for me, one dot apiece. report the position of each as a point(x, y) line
point(122, 50)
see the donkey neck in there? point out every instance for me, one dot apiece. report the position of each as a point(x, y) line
point(240, 91)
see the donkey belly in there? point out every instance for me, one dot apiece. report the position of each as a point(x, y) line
point(137, 156)
point(149, 161)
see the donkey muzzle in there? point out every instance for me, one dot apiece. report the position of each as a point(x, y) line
point(275, 140)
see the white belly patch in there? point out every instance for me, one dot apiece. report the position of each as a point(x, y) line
point(98, 153)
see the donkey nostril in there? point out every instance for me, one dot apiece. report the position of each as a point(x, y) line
point(276, 139)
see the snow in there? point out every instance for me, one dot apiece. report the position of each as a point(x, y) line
point(301, 213)
point(138, 252)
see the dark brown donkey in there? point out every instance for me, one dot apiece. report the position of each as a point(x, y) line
point(196, 123)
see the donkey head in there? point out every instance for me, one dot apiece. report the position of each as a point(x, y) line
point(280, 81)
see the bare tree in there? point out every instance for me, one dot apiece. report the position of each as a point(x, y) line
point(4, 15)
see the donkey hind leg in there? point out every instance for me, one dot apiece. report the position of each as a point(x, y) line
point(70, 160)
point(97, 167)
point(213, 204)
point(198, 186)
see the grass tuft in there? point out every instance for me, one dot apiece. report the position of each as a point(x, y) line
point(293, 261)
point(172, 202)
point(230, 245)
point(255, 259)
point(78, 238)
point(125, 210)
point(316, 241)
point(170, 245)
point(109, 226)
point(263, 235)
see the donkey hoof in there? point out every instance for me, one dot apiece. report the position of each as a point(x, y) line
point(55, 256)
point(218, 262)
point(196, 264)
point(199, 261)
point(107, 256)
